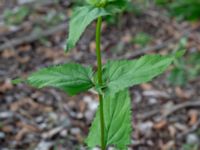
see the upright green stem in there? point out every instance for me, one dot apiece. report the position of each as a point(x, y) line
point(99, 72)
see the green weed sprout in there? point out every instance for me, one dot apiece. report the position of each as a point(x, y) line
point(112, 123)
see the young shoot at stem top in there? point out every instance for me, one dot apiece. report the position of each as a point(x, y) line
point(112, 123)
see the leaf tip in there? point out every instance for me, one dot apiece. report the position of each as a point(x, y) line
point(179, 53)
point(68, 46)
point(17, 81)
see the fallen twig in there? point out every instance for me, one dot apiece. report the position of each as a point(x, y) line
point(168, 111)
point(192, 129)
point(147, 115)
point(33, 36)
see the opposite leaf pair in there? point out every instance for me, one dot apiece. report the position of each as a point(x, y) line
point(118, 75)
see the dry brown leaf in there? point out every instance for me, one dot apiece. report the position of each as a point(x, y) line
point(8, 53)
point(92, 47)
point(169, 145)
point(26, 101)
point(23, 60)
point(25, 48)
point(50, 53)
point(127, 38)
point(25, 129)
point(6, 86)
point(146, 86)
point(21, 134)
point(182, 94)
point(172, 131)
point(4, 29)
point(160, 125)
point(32, 105)
point(82, 106)
point(28, 126)
point(193, 117)
point(7, 128)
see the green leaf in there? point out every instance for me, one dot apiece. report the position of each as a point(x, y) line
point(117, 118)
point(83, 16)
point(80, 19)
point(142, 39)
point(93, 2)
point(115, 6)
point(105, 3)
point(179, 53)
point(17, 81)
point(178, 76)
point(15, 17)
point(125, 73)
point(72, 78)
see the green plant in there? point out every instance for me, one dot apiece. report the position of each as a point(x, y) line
point(112, 123)
point(130, 7)
point(185, 69)
point(53, 17)
point(142, 39)
point(182, 9)
point(190, 147)
point(15, 17)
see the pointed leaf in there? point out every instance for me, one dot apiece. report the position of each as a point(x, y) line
point(126, 73)
point(93, 2)
point(72, 78)
point(117, 118)
point(17, 81)
point(80, 19)
point(83, 16)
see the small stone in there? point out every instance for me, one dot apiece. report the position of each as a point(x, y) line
point(41, 99)
point(152, 101)
point(93, 105)
point(43, 126)
point(43, 145)
point(89, 115)
point(53, 116)
point(64, 133)
point(75, 131)
point(39, 119)
point(146, 128)
point(192, 139)
point(6, 114)
point(87, 99)
point(9, 99)
point(2, 135)
point(79, 115)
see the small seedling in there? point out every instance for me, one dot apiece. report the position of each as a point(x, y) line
point(190, 147)
point(53, 17)
point(182, 9)
point(142, 39)
point(15, 17)
point(185, 69)
point(112, 123)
